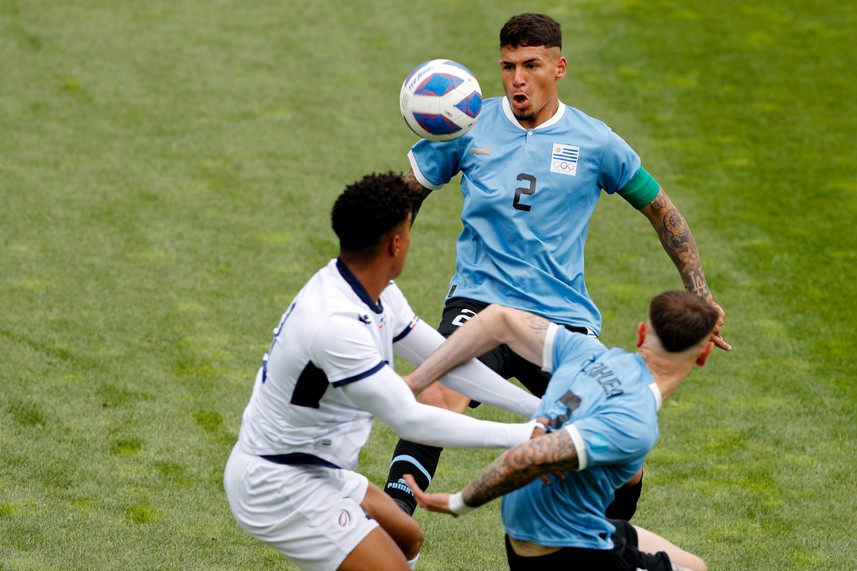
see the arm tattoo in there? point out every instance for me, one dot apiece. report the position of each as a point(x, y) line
point(521, 465)
point(420, 192)
point(677, 240)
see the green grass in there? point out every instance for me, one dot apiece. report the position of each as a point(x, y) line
point(166, 174)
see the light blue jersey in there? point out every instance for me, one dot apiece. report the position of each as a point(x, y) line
point(528, 198)
point(608, 402)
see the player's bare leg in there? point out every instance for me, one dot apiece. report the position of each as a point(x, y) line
point(376, 551)
point(442, 397)
point(681, 560)
point(401, 528)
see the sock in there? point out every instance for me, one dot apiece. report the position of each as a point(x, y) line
point(418, 460)
point(413, 562)
point(624, 504)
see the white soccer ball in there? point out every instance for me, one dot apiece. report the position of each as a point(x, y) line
point(440, 100)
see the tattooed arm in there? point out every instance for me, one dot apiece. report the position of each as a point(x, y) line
point(419, 190)
point(678, 242)
point(513, 469)
point(495, 325)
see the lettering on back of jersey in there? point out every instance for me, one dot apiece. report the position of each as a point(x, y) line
point(606, 378)
point(571, 402)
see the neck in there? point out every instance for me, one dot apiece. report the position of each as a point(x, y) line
point(371, 277)
point(668, 374)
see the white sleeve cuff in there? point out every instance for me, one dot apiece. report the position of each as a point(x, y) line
point(579, 445)
point(547, 350)
point(419, 175)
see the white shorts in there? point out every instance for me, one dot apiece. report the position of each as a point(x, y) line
point(309, 514)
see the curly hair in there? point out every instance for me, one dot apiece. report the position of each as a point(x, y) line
point(531, 30)
point(681, 319)
point(370, 208)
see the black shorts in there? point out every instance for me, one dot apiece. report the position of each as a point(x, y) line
point(502, 360)
point(623, 557)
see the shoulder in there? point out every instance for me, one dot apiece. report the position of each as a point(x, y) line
point(577, 345)
point(588, 128)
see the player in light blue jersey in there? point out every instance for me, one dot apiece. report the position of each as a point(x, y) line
point(601, 409)
point(532, 171)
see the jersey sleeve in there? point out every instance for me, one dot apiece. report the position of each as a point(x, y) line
point(610, 437)
point(404, 317)
point(386, 396)
point(435, 163)
point(619, 165)
point(344, 349)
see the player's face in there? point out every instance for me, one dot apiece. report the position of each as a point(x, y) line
point(530, 75)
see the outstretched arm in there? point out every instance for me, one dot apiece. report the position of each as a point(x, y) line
point(678, 242)
point(513, 469)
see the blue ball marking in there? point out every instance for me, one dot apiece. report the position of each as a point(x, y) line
point(438, 84)
point(436, 124)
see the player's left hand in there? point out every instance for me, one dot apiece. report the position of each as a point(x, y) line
point(715, 335)
point(438, 502)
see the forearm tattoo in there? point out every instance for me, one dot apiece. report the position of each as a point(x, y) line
point(521, 465)
point(677, 240)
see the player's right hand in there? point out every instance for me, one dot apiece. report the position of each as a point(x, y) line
point(438, 502)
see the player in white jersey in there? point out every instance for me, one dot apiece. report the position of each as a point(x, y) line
point(601, 409)
point(532, 170)
point(291, 479)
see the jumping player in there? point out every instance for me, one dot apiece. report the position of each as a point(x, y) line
point(533, 170)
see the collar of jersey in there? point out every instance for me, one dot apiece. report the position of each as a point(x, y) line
point(358, 287)
point(659, 398)
point(507, 111)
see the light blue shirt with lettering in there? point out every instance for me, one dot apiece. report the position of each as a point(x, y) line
point(607, 400)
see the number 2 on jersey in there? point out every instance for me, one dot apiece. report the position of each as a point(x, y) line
point(528, 190)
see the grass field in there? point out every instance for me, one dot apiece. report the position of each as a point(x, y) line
point(166, 175)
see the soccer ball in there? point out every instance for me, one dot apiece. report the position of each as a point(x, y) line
point(440, 100)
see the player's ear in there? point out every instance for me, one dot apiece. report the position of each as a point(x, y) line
point(561, 68)
point(703, 357)
point(641, 334)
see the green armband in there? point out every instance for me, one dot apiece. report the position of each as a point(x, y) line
point(641, 190)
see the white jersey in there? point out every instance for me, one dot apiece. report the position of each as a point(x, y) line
point(334, 339)
point(331, 335)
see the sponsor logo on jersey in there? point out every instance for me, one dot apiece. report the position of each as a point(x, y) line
point(564, 159)
point(480, 151)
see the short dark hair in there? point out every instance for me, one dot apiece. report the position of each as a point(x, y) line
point(531, 30)
point(681, 319)
point(370, 208)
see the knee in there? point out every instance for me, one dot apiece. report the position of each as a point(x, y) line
point(413, 543)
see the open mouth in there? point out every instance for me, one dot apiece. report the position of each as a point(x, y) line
point(520, 100)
